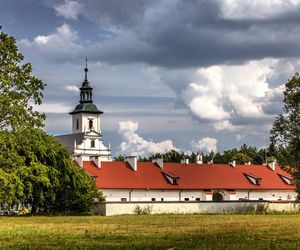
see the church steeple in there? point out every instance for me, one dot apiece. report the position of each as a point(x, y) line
point(86, 104)
point(86, 91)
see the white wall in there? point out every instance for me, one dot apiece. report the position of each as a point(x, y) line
point(192, 195)
point(100, 149)
point(84, 122)
point(270, 195)
point(109, 209)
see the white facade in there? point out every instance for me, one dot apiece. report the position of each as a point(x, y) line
point(143, 195)
point(92, 146)
point(81, 123)
point(119, 208)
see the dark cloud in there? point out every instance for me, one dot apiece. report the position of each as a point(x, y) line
point(185, 34)
point(182, 34)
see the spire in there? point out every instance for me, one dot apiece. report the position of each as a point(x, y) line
point(86, 96)
point(86, 70)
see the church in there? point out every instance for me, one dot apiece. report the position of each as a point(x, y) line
point(157, 181)
point(85, 142)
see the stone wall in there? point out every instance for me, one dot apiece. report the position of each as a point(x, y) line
point(118, 208)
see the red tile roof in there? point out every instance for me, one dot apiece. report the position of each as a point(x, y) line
point(119, 175)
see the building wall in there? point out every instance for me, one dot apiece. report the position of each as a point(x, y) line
point(83, 119)
point(118, 208)
point(194, 195)
point(270, 195)
point(85, 148)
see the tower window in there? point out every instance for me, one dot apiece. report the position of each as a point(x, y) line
point(92, 143)
point(91, 124)
point(77, 124)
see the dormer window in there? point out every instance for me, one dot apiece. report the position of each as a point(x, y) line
point(288, 180)
point(255, 180)
point(171, 178)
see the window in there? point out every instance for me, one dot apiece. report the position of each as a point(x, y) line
point(253, 179)
point(162, 199)
point(92, 143)
point(91, 124)
point(171, 178)
point(153, 199)
point(261, 199)
point(197, 199)
point(186, 199)
point(287, 180)
point(77, 124)
point(123, 199)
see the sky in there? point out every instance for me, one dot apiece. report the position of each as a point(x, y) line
point(196, 75)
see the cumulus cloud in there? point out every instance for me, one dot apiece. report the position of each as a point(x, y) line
point(206, 144)
point(58, 46)
point(229, 95)
point(69, 9)
point(134, 144)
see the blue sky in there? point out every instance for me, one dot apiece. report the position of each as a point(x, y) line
point(189, 75)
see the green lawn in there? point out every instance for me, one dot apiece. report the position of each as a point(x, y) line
point(152, 232)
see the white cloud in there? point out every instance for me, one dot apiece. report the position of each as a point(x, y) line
point(134, 144)
point(54, 108)
point(73, 88)
point(259, 9)
point(206, 144)
point(204, 99)
point(69, 9)
point(57, 46)
point(223, 94)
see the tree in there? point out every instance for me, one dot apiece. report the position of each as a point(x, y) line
point(285, 133)
point(43, 174)
point(34, 168)
point(19, 89)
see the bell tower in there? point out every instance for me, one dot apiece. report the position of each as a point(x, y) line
point(85, 142)
point(86, 115)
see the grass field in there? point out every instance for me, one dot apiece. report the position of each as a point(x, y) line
point(152, 232)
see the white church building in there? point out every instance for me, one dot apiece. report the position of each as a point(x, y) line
point(85, 142)
point(156, 181)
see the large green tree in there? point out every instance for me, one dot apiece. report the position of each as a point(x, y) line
point(19, 89)
point(34, 168)
point(285, 133)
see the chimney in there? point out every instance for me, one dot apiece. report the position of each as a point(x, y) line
point(185, 161)
point(96, 160)
point(232, 163)
point(132, 161)
point(199, 159)
point(159, 161)
point(272, 165)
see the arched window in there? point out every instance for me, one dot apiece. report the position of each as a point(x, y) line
point(91, 124)
point(92, 143)
point(217, 196)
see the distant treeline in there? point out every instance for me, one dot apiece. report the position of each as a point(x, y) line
point(243, 155)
